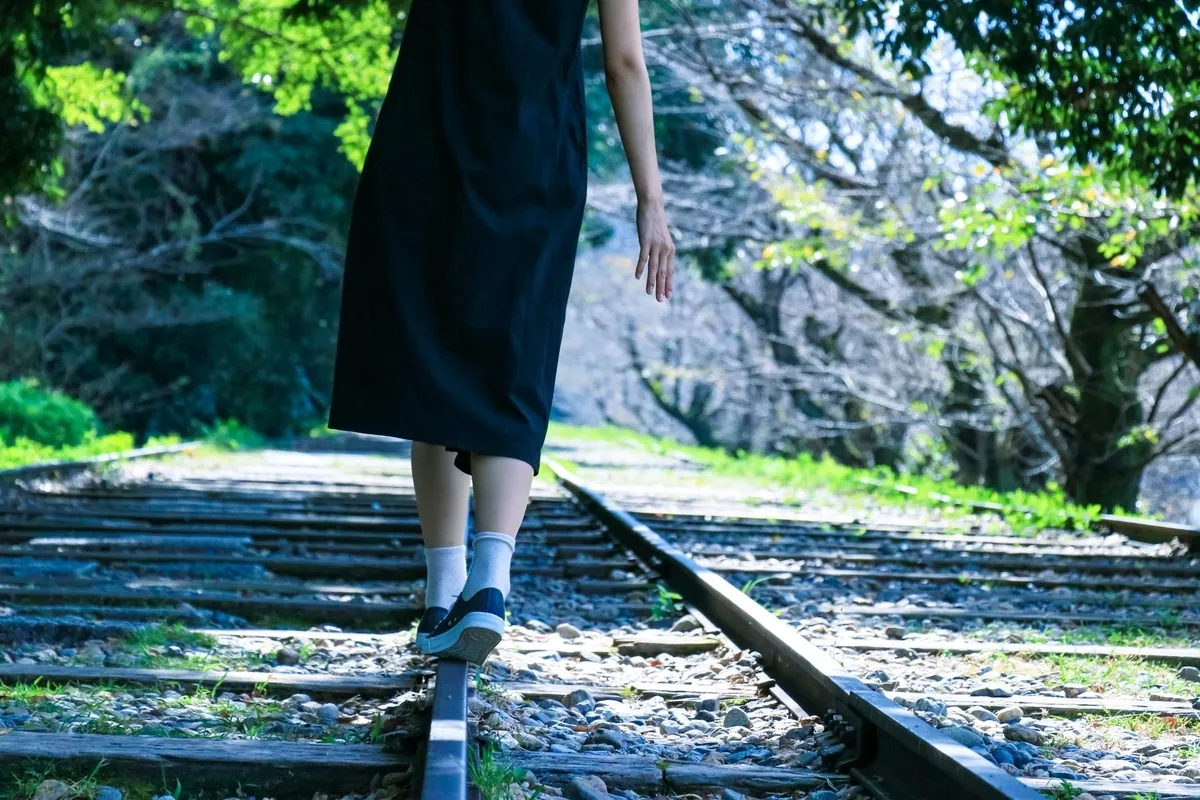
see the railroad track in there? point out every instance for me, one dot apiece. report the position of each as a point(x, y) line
point(211, 623)
point(1084, 647)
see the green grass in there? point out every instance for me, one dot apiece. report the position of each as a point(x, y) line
point(1025, 511)
point(172, 634)
point(665, 603)
point(492, 775)
point(1152, 726)
point(1114, 636)
point(1064, 791)
point(23, 452)
point(22, 782)
point(1131, 676)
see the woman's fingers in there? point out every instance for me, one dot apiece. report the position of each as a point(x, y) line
point(643, 258)
point(665, 274)
point(660, 283)
point(652, 270)
point(670, 273)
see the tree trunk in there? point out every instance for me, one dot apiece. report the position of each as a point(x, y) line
point(1107, 456)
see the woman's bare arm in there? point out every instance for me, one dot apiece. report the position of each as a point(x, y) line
point(629, 90)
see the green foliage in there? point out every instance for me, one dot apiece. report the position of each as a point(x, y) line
point(39, 426)
point(43, 416)
point(288, 54)
point(1114, 82)
point(493, 776)
point(21, 783)
point(287, 48)
point(665, 603)
point(23, 452)
point(749, 586)
point(1009, 207)
point(171, 634)
point(86, 95)
point(233, 435)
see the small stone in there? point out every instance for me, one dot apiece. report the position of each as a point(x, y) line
point(287, 656)
point(1074, 689)
point(396, 779)
point(710, 704)
point(706, 716)
point(297, 700)
point(329, 713)
point(964, 736)
point(608, 736)
point(108, 793)
point(1023, 733)
point(982, 714)
point(685, 624)
point(1010, 714)
point(1190, 674)
point(797, 734)
point(930, 706)
point(528, 741)
point(823, 794)
point(587, 787)
point(736, 718)
point(730, 794)
point(51, 790)
point(581, 699)
point(568, 631)
point(1085, 796)
point(893, 632)
point(537, 626)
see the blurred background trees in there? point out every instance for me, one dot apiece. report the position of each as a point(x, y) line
point(957, 248)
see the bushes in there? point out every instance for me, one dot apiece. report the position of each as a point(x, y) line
point(38, 425)
point(44, 417)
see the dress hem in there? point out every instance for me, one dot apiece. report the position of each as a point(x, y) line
point(463, 461)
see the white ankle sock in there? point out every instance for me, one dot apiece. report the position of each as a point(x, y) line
point(446, 569)
point(490, 567)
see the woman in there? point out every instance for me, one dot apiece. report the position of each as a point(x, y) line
point(459, 264)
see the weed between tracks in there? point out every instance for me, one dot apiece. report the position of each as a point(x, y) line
point(1151, 726)
point(665, 604)
point(494, 776)
point(1129, 675)
point(1111, 635)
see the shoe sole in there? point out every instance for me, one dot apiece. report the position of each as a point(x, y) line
point(423, 643)
point(472, 640)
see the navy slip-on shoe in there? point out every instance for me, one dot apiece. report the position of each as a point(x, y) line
point(471, 630)
point(429, 620)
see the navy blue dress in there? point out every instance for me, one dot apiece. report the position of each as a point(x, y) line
point(465, 228)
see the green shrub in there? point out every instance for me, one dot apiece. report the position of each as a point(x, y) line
point(43, 416)
point(232, 435)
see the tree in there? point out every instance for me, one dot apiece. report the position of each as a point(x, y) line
point(66, 63)
point(1115, 82)
point(936, 221)
point(190, 270)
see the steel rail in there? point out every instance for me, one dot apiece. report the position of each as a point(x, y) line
point(445, 775)
point(66, 467)
point(888, 749)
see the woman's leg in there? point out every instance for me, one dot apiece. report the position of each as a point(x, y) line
point(476, 623)
point(501, 494)
point(442, 493)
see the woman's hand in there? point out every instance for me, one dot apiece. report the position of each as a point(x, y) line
point(657, 256)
